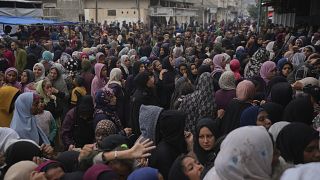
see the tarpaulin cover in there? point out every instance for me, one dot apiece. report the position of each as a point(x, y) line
point(30, 21)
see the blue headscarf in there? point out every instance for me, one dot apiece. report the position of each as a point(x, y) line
point(249, 116)
point(146, 173)
point(24, 123)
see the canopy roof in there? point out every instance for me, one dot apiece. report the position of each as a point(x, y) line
point(30, 21)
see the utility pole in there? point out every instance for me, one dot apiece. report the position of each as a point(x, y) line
point(203, 15)
point(97, 11)
point(259, 16)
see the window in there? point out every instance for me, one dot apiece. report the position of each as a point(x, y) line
point(112, 13)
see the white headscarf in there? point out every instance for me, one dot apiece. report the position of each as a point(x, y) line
point(276, 128)
point(302, 172)
point(6, 135)
point(115, 76)
point(246, 153)
point(227, 81)
point(123, 58)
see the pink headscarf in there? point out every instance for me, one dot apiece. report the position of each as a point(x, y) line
point(15, 84)
point(98, 82)
point(245, 90)
point(266, 68)
point(217, 61)
point(235, 68)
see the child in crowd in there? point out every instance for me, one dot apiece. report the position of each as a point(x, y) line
point(78, 90)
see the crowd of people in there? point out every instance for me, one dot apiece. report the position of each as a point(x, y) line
point(224, 102)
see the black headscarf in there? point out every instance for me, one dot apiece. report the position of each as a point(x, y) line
point(275, 80)
point(20, 151)
point(274, 111)
point(31, 61)
point(69, 160)
point(170, 129)
point(141, 80)
point(299, 110)
point(281, 93)
point(205, 156)
point(176, 170)
point(136, 68)
point(293, 139)
point(110, 142)
point(30, 75)
point(56, 55)
point(166, 64)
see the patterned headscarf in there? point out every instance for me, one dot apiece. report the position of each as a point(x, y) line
point(227, 81)
point(103, 97)
point(200, 103)
point(253, 66)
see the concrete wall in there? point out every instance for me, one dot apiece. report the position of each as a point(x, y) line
point(126, 10)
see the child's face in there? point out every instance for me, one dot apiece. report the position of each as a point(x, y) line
point(47, 88)
point(11, 76)
point(24, 78)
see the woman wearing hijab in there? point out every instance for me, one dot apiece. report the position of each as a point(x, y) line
point(275, 129)
point(86, 74)
point(255, 116)
point(284, 67)
point(299, 110)
point(20, 170)
point(31, 61)
point(125, 66)
point(52, 169)
point(27, 81)
point(144, 94)
point(166, 83)
point(145, 173)
point(235, 68)
point(8, 96)
point(281, 93)
point(267, 71)
point(246, 153)
point(106, 109)
point(227, 91)
point(185, 167)
point(298, 61)
point(77, 125)
point(11, 78)
point(219, 65)
point(275, 80)
point(24, 120)
point(98, 81)
point(206, 135)
point(115, 83)
point(245, 92)
point(274, 111)
point(100, 172)
point(6, 135)
point(39, 72)
point(193, 74)
point(200, 103)
point(253, 66)
point(137, 68)
point(298, 144)
point(169, 139)
point(302, 172)
point(182, 88)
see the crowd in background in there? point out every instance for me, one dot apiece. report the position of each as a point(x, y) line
point(104, 101)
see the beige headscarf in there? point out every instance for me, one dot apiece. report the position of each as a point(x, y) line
point(20, 170)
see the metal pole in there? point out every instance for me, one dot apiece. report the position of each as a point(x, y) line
point(97, 11)
point(203, 15)
point(259, 16)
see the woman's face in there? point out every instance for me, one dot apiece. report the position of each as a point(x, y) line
point(263, 120)
point(307, 52)
point(118, 64)
point(172, 61)
point(37, 106)
point(11, 77)
point(286, 70)
point(298, 43)
point(85, 58)
point(101, 59)
point(141, 68)
point(158, 66)
point(24, 77)
point(192, 168)
point(194, 70)
point(127, 62)
point(53, 74)
point(312, 153)
point(103, 72)
point(183, 69)
point(161, 51)
point(272, 73)
point(206, 139)
point(47, 88)
point(150, 82)
point(37, 71)
point(54, 173)
point(113, 101)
